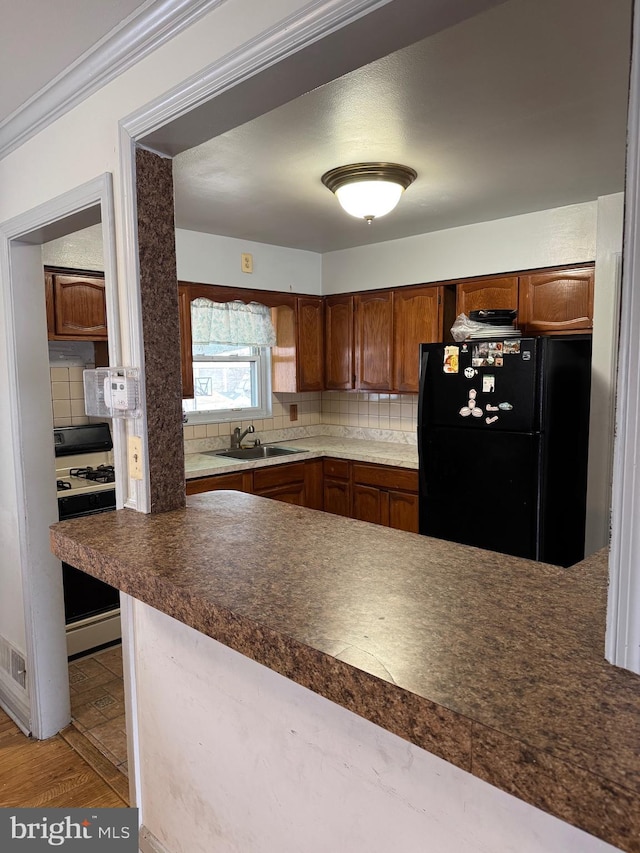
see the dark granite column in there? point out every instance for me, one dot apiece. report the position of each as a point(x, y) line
point(160, 329)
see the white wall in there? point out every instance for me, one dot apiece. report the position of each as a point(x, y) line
point(80, 250)
point(563, 235)
point(74, 150)
point(210, 259)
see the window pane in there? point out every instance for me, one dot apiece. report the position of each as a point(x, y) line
point(224, 385)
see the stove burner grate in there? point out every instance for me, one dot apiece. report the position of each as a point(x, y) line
point(61, 485)
point(101, 474)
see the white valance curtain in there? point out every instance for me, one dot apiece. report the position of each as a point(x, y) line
point(231, 323)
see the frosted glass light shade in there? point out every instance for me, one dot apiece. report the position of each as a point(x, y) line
point(369, 199)
point(369, 190)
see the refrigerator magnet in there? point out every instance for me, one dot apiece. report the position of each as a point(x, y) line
point(450, 363)
point(491, 420)
point(469, 372)
point(488, 383)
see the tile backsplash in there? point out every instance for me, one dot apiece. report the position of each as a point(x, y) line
point(67, 396)
point(346, 409)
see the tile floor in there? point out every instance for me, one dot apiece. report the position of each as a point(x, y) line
point(97, 703)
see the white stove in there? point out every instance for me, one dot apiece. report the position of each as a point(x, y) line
point(83, 473)
point(85, 483)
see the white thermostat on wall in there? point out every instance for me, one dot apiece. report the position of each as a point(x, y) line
point(112, 392)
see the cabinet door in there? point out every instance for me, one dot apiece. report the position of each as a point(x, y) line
point(337, 497)
point(186, 353)
point(313, 497)
point(80, 310)
point(339, 372)
point(290, 493)
point(369, 504)
point(239, 481)
point(557, 301)
point(373, 335)
point(417, 318)
point(310, 337)
point(403, 511)
point(487, 293)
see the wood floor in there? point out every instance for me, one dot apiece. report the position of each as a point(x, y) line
point(66, 771)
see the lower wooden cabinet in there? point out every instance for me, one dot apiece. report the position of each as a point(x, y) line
point(296, 483)
point(281, 482)
point(385, 495)
point(381, 494)
point(337, 486)
point(239, 481)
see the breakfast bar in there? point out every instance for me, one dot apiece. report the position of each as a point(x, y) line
point(471, 686)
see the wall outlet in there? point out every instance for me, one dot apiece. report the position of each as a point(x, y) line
point(246, 262)
point(135, 457)
point(293, 412)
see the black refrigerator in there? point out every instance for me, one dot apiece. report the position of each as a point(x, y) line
point(503, 431)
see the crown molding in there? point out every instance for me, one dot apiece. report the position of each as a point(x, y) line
point(136, 37)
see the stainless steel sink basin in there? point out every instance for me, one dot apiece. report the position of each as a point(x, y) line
point(262, 451)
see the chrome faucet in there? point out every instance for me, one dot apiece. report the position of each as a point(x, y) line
point(237, 436)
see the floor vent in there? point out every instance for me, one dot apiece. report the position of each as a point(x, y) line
point(13, 663)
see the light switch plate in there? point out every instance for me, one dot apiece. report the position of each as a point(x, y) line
point(135, 457)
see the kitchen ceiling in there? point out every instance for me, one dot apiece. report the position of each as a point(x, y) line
point(520, 108)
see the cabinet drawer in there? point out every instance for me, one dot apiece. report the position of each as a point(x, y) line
point(385, 477)
point(336, 468)
point(278, 475)
point(238, 481)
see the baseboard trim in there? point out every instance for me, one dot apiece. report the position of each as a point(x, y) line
point(16, 708)
point(148, 843)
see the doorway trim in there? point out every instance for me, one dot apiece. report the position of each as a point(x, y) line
point(623, 610)
point(32, 426)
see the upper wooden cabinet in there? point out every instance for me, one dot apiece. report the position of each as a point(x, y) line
point(494, 292)
point(547, 301)
point(417, 319)
point(186, 351)
point(338, 343)
point(556, 301)
point(373, 340)
point(76, 307)
point(298, 357)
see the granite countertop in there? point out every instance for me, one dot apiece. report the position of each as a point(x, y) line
point(492, 662)
point(400, 454)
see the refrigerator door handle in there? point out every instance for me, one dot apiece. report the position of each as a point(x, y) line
point(424, 360)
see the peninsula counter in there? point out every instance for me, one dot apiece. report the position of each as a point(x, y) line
point(492, 663)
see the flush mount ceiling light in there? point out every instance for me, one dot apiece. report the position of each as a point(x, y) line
point(368, 190)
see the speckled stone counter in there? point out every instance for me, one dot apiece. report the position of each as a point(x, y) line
point(491, 662)
point(400, 455)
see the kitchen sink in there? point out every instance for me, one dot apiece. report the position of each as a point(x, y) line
point(262, 451)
